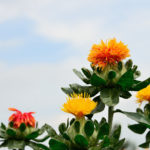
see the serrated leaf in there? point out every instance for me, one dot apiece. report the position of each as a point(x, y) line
point(87, 72)
point(89, 128)
point(81, 76)
point(136, 116)
point(51, 132)
point(137, 128)
point(57, 145)
point(81, 141)
point(110, 96)
point(97, 81)
point(67, 91)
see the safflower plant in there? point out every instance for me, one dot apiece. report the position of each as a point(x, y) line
point(108, 79)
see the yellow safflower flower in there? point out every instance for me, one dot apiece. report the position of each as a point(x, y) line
point(79, 105)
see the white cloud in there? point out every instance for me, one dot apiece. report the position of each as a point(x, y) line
point(5, 44)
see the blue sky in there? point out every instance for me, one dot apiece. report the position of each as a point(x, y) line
point(41, 41)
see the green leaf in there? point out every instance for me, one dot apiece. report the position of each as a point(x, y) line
point(22, 127)
point(71, 121)
point(77, 126)
point(11, 132)
point(103, 130)
point(126, 80)
point(110, 96)
point(81, 76)
point(128, 64)
point(148, 137)
point(97, 81)
point(91, 90)
point(116, 133)
point(125, 94)
point(140, 85)
point(3, 126)
point(42, 139)
point(33, 135)
point(57, 145)
point(119, 145)
point(13, 144)
point(62, 128)
point(81, 141)
point(100, 105)
point(89, 128)
point(103, 120)
point(145, 145)
point(66, 136)
point(96, 124)
point(136, 116)
point(105, 142)
point(37, 146)
point(51, 132)
point(120, 66)
point(111, 75)
point(137, 128)
point(87, 72)
point(11, 124)
point(137, 74)
point(67, 91)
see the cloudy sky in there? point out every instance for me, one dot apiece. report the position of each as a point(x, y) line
point(41, 41)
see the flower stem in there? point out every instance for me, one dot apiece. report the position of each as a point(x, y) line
point(110, 117)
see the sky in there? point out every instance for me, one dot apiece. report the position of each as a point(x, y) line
point(41, 41)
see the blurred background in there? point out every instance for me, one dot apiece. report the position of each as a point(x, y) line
point(41, 41)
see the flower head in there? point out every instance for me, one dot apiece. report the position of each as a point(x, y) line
point(79, 105)
point(143, 95)
point(18, 118)
point(107, 53)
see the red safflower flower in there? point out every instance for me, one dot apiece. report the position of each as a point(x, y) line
point(18, 118)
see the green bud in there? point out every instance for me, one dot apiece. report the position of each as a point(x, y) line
point(84, 129)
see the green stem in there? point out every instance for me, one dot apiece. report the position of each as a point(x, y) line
point(110, 117)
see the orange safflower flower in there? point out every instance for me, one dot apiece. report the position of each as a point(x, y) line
point(107, 53)
point(79, 105)
point(18, 118)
